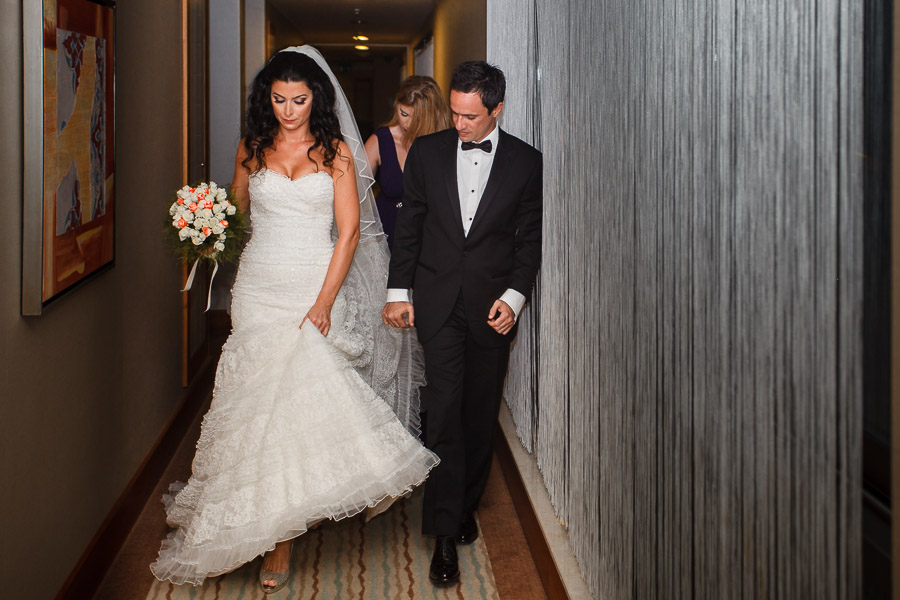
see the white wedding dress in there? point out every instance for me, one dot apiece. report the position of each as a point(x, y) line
point(294, 434)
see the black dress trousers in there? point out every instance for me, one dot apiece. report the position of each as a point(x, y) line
point(462, 403)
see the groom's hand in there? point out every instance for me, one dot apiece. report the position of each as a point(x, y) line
point(399, 314)
point(501, 317)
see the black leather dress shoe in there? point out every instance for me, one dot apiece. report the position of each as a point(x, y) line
point(444, 564)
point(468, 530)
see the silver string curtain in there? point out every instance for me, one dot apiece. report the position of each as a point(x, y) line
point(688, 374)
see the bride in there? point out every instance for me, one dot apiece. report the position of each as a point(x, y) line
point(304, 422)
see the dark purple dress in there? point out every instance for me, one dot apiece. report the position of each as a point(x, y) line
point(390, 178)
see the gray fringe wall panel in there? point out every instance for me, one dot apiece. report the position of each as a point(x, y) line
point(688, 374)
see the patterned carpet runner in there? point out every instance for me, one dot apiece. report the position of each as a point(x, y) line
point(384, 559)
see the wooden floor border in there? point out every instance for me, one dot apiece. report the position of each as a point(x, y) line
point(87, 575)
point(547, 539)
point(537, 543)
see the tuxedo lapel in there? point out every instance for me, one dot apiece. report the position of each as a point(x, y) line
point(448, 160)
point(502, 162)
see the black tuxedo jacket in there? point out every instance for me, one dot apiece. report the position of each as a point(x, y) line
point(433, 256)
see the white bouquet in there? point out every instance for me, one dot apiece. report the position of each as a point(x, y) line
point(204, 224)
point(208, 226)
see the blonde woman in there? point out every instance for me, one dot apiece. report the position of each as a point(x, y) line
point(419, 109)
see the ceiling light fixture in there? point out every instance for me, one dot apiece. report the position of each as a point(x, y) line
point(359, 37)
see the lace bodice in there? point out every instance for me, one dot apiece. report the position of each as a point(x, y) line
point(284, 264)
point(288, 214)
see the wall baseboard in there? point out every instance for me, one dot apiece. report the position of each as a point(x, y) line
point(85, 578)
point(547, 538)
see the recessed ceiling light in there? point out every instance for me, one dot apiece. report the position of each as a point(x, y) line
point(361, 38)
point(361, 47)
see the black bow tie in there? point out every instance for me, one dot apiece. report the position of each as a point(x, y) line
point(485, 145)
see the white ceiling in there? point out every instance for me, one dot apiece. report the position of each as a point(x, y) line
point(327, 22)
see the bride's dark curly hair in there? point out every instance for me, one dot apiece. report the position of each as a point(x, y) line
point(261, 126)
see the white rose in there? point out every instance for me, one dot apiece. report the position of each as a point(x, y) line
point(221, 194)
point(230, 210)
point(217, 228)
point(219, 246)
point(184, 234)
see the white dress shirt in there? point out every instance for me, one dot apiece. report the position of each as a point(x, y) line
point(473, 167)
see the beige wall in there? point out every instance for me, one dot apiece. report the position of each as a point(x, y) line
point(460, 34)
point(87, 388)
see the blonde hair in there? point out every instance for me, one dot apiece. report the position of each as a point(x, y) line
point(430, 111)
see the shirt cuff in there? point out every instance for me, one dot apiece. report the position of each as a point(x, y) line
point(515, 300)
point(399, 295)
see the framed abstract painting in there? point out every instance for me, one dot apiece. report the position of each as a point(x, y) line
point(68, 231)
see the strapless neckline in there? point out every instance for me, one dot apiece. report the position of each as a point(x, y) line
point(289, 178)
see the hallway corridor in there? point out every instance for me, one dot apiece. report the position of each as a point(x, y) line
point(704, 380)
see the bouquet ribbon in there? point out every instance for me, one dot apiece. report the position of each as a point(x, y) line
point(190, 281)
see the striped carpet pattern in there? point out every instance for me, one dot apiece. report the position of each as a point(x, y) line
point(384, 559)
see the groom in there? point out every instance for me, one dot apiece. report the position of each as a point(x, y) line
point(468, 243)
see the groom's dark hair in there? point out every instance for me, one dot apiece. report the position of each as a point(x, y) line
point(481, 77)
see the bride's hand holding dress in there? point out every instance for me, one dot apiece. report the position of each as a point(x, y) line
point(346, 217)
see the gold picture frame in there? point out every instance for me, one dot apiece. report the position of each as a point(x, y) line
point(69, 122)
